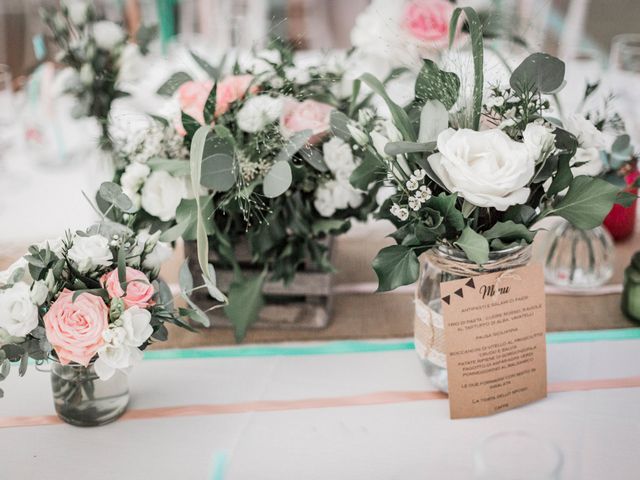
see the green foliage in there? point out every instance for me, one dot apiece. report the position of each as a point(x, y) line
point(435, 84)
point(172, 84)
point(539, 72)
point(395, 266)
point(474, 245)
point(219, 172)
point(277, 180)
point(586, 203)
point(245, 302)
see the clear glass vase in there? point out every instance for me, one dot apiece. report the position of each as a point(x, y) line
point(82, 399)
point(443, 264)
point(576, 258)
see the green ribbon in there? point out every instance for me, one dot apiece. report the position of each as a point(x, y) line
point(363, 346)
point(166, 20)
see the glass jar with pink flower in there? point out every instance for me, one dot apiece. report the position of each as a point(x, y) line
point(90, 305)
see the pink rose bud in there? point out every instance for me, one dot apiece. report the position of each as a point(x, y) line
point(192, 97)
point(307, 115)
point(139, 289)
point(74, 328)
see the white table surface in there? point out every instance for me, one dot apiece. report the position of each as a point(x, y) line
point(598, 431)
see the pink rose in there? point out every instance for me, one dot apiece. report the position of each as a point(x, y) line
point(308, 115)
point(139, 289)
point(74, 328)
point(193, 96)
point(428, 20)
point(232, 89)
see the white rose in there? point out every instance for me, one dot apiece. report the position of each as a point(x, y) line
point(15, 272)
point(587, 134)
point(18, 314)
point(134, 176)
point(77, 11)
point(258, 112)
point(112, 358)
point(39, 292)
point(324, 201)
point(107, 35)
point(162, 194)
point(88, 253)
point(538, 140)
point(334, 195)
point(338, 156)
point(157, 252)
point(137, 324)
point(486, 168)
point(593, 164)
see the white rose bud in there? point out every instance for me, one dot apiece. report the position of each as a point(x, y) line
point(88, 253)
point(112, 358)
point(39, 292)
point(18, 313)
point(358, 135)
point(539, 141)
point(134, 176)
point(161, 195)
point(137, 325)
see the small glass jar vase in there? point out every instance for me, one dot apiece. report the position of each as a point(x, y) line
point(576, 258)
point(443, 264)
point(81, 398)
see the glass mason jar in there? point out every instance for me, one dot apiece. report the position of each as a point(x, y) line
point(576, 258)
point(82, 399)
point(443, 264)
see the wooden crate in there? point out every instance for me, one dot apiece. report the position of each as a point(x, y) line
point(306, 303)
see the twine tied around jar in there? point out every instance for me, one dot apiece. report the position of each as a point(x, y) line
point(428, 322)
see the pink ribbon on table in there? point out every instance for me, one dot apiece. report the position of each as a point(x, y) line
point(375, 398)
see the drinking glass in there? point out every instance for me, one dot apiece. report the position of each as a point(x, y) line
point(624, 76)
point(517, 456)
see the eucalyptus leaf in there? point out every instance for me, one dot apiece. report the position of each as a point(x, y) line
point(211, 284)
point(395, 266)
point(185, 278)
point(218, 172)
point(474, 245)
point(277, 180)
point(314, 158)
point(562, 178)
point(366, 173)
point(538, 72)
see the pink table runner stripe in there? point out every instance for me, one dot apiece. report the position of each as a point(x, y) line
point(376, 398)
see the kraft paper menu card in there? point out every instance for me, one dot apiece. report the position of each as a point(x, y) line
point(495, 336)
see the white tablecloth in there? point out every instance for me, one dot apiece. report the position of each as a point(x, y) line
point(597, 430)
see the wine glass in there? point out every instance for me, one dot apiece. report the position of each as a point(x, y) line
point(624, 77)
